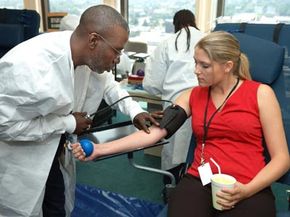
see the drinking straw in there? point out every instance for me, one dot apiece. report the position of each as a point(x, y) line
point(219, 169)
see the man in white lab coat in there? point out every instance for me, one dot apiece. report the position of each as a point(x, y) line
point(169, 71)
point(37, 105)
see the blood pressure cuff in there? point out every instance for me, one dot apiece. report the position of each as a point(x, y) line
point(173, 117)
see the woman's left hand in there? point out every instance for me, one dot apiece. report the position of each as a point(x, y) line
point(228, 198)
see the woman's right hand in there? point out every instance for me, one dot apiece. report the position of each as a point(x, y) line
point(78, 152)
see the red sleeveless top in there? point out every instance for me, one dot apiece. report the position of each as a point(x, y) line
point(234, 138)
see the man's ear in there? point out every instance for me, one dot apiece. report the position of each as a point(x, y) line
point(93, 40)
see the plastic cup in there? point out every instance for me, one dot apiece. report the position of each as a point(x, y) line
point(218, 182)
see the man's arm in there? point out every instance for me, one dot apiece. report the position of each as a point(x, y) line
point(128, 106)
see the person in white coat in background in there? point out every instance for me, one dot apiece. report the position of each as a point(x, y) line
point(38, 105)
point(169, 71)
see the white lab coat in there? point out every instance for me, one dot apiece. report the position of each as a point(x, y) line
point(37, 94)
point(36, 97)
point(91, 88)
point(167, 73)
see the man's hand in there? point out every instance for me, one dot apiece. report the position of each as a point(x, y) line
point(143, 120)
point(82, 122)
point(157, 114)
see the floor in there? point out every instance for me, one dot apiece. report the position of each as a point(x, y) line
point(117, 175)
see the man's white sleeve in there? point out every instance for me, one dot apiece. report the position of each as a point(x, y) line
point(113, 92)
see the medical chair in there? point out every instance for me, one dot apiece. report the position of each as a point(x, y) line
point(17, 26)
point(266, 65)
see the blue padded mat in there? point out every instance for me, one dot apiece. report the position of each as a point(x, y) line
point(94, 202)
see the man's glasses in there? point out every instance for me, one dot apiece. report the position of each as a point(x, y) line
point(118, 52)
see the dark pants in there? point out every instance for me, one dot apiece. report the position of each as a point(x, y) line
point(191, 199)
point(54, 199)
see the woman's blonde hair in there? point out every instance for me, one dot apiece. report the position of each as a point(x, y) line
point(221, 47)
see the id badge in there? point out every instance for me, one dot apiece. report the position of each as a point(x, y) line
point(205, 173)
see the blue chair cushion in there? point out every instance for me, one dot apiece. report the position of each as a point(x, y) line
point(228, 27)
point(262, 51)
point(284, 40)
point(11, 35)
point(30, 19)
point(265, 31)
